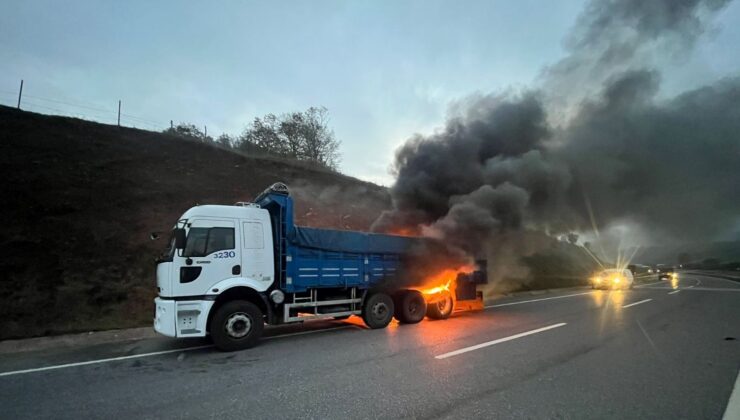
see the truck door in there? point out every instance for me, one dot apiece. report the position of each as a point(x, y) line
point(211, 255)
point(257, 259)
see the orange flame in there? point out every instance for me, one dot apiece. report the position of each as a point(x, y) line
point(404, 232)
point(443, 280)
point(437, 289)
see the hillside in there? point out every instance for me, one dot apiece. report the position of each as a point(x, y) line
point(81, 199)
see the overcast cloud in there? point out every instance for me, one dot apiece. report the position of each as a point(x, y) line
point(385, 69)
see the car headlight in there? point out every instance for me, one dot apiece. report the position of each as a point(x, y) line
point(616, 279)
point(597, 279)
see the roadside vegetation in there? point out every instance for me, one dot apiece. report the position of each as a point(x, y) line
point(304, 136)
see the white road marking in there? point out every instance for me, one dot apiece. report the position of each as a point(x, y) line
point(674, 292)
point(702, 289)
point(733, 405)
point(534, 300)
point(692, 286)
point(649, 284)
point(156, 353)
point(637, 303)
point(111, 359)
point(500, 340)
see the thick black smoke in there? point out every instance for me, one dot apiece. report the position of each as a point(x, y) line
point(591, 146)
point(614, 36)
point(669, 166)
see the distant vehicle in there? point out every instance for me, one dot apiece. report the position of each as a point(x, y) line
point(666, 272)
point(613, 278)
point(231, 269)
point(640, 270)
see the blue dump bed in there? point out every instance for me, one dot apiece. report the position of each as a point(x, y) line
point(337, 258)
point(322, 258)
point(350, 241)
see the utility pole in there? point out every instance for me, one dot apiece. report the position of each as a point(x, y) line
point(205, 128)
point(20, 93)
point(119, 112)
point(172, 126)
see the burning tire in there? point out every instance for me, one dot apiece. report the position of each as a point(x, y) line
point(236, 325)
point(441, 308)
point(410, 307)
point(378, 311)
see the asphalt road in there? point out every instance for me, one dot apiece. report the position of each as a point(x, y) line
point(650, 352)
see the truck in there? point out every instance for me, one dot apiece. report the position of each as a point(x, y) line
point(231, 269)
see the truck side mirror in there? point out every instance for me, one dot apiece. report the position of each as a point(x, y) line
point(179, 238)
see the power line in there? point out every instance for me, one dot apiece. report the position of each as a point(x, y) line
point(68, 113)
point(100, 114)
point(90, 117)
point(141, 119)
point(145, 120)
point(70, 104)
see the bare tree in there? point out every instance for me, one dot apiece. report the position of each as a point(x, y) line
point(225, 140)
point(319, 144)
point(263, 134)
point(300, 135)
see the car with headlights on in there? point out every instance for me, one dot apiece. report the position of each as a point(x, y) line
point(613, 278)
point(666, 272)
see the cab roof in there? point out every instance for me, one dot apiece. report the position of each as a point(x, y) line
point(213, 210)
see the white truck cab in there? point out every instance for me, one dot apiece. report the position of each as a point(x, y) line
point(227, 247)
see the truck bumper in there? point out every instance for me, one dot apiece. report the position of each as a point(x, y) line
point(164, 317)
point(181, 318)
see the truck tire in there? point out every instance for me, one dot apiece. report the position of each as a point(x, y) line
point(442, 308)
point(237, 325)
point(410, 307)
point(378, 311)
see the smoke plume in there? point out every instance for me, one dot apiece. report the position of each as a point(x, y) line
point(589, 146)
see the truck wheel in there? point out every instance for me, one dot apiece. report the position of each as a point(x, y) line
point(442, 308)
point(236, 325)
point(411, 307)
point(378, 311)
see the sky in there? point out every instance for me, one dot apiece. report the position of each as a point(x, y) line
point(384, 69)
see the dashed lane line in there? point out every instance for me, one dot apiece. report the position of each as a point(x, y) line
point(500, 340)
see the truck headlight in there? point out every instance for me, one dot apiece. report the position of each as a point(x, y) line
point(277, 296)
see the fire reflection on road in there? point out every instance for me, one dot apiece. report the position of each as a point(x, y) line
point(610, 302)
